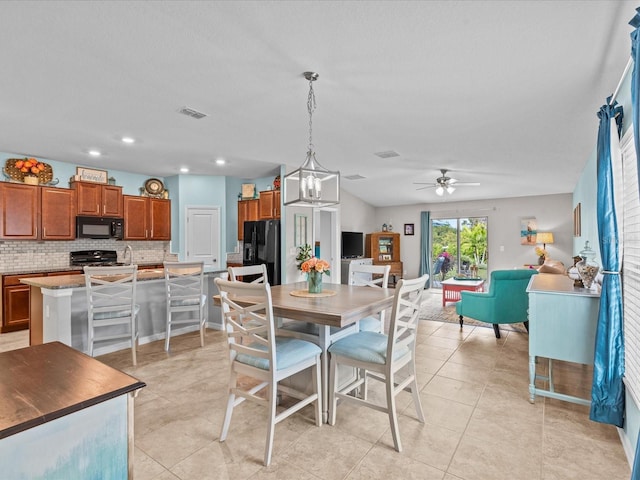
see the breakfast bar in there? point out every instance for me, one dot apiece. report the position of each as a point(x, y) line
point(59, 309)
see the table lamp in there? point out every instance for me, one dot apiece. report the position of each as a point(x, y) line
point(544, 238)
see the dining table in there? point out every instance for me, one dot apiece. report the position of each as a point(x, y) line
point(335, 313)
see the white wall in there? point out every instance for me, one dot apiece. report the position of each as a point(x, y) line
point(356, 215)
point(553, 213)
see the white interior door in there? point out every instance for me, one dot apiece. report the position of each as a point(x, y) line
point(203, 235)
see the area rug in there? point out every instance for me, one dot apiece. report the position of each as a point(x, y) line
point(433, 310)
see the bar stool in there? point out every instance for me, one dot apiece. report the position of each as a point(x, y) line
point(184, 285)
point(112, 308)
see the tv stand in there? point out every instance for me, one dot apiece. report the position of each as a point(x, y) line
point(344, 267)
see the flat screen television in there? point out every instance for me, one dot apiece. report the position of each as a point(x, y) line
point(352, 244)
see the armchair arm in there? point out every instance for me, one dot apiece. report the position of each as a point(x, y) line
point(478, 305)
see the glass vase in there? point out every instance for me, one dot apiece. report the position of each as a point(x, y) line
point(314, 279)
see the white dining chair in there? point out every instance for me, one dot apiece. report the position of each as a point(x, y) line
point(255, 351)
point(259, 271)
point(184, 289)
point(111, 306)
point(376, 276)
point(380, 357)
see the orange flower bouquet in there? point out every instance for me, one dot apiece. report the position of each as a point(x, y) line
point(314, 268)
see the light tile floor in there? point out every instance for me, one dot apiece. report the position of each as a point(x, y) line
point(474, 389)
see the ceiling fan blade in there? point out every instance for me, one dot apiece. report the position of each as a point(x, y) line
point(426, 186)
point(467, 184)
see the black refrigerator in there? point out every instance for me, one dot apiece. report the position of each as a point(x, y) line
point(262, 245)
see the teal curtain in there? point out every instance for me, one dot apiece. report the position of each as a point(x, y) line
point(607, 391)
point(425, 243)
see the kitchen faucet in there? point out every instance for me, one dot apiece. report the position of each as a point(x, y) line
point(124, 255)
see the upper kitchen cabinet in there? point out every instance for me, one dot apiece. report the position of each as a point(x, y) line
point(58, 213)
point(98, 200)
point(20, 211)
point(247, 212)
point(36, 213)
point(269, 204)
point(146, 218)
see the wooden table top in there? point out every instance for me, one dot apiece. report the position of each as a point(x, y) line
point(44, 382)
point(349, 304)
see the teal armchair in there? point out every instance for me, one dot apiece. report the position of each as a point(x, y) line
point(505, 302)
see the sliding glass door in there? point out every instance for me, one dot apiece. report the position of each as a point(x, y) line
point(458, 248)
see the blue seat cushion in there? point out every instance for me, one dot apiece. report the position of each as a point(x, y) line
point(118, 313)
point(189, 301)
point(370, 324)
point(370, 347)
point(289, 352)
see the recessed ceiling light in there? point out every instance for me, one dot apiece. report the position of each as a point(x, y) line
point(128, 140)
point(184, 170)
point(94, 153)
point(220, 161)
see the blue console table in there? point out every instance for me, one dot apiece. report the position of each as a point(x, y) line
point(562, 326)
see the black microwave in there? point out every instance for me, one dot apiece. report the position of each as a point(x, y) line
point(99, 227)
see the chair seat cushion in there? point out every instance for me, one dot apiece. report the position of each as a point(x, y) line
point(289, 351)
point(118, 313)
point(189, 301)
point(370, 347)
point(370, 324)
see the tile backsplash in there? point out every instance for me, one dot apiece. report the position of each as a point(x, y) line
point(30, 256)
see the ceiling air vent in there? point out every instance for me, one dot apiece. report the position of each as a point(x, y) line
point(387, 154)
point(192, 113)
point(354, 177)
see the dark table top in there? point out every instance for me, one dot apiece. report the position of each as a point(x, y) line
point(44, 382)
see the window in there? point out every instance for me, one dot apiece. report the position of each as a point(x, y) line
point(458, 247)
point(628, 216)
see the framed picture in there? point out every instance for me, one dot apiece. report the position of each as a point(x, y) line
point(383, 249)
point(91, 175)
point(248, 190)
point(408, 228)
point(386, 257)
point(528, 231)
point(577, 221)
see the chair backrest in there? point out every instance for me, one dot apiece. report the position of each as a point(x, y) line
point(509, 288)
point(250, 329)
point(405, 315)
point(363, 275)
point(111, 289)
point(260, 270)
point(184, 282)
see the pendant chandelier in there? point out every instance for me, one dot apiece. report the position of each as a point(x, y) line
point(311, 185)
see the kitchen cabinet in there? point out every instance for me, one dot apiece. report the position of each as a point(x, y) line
point(269, 205)
point(16, 311)
point(98, 200)
point(247, 212)
point(146, 218)
point(31, 212)
point(384, 249)
point(58, 219)
point(20, 211)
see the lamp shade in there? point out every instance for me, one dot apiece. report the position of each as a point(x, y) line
point(544, 237)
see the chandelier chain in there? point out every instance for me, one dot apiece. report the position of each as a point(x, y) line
point(311, 106)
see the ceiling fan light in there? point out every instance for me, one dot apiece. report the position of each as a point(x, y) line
point(450, 189)
point(439, 190)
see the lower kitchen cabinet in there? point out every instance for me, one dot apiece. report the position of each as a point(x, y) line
point(16, 300)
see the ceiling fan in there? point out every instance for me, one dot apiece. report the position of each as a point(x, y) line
point(445, 183)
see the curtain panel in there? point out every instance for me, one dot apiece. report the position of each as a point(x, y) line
point(607, 391)
point(425, 246)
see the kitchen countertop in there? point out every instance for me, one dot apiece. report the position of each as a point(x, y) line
point(76, 281)
point(74, 268)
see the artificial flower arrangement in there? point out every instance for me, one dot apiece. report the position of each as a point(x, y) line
point(541, 252)
point(315, 265)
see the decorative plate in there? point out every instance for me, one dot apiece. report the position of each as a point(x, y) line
point(154, 187)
